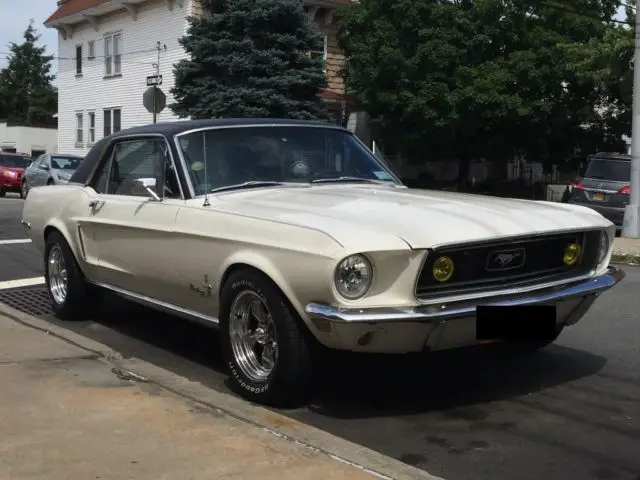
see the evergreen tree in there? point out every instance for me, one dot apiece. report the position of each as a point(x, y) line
point(249, 58)
point(26, 92)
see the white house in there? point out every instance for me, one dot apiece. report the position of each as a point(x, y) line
point(108, 48)
point(28, 139)
point(106, 51)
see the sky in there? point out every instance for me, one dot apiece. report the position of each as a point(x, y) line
point(14, 20)
point(15, 16)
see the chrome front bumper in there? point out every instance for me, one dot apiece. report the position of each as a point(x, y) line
point(443, 326)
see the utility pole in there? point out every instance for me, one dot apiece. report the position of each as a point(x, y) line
point(155, 87)
point(631, 223)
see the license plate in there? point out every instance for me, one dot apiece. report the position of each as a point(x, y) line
point(598, 196)
point(517, 322)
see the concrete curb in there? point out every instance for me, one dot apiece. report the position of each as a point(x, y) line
point(335, 447)
point(626, 258)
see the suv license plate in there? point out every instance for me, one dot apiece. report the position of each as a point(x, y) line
point(598, 196)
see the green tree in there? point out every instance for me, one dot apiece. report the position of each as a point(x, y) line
point(248, 58)
point(26, 91)
point(476, 78)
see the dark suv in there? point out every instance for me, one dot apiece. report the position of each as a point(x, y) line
point(604, 185)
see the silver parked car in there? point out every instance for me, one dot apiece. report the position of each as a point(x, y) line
point(49, 169)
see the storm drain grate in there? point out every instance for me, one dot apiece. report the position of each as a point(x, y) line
point(33, 301)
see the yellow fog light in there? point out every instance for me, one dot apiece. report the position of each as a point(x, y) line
point(443, 269)
point(572, 254)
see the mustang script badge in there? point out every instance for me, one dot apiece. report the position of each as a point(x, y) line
point(505, 259)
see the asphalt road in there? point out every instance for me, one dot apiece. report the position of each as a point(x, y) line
point(570, 412)
point(17, 260)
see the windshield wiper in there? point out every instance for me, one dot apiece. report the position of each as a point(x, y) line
point(250, 184)
point(348, 179)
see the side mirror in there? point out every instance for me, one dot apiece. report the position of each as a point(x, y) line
point(44, 167)
point(145, 186)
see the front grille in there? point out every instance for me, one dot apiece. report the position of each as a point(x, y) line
point(533, 259)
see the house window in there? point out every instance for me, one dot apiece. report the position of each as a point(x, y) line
point(322, 54)
point(113, 54)
point(78, 59)
point(92, 49)
point(112, 121)
point(79, 129)
point(92, 128)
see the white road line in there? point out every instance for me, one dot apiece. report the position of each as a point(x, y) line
point(22, 282)
point(11, 242)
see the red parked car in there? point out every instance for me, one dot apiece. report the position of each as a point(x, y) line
point(12, 166)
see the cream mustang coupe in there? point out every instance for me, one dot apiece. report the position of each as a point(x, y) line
point(292, 235)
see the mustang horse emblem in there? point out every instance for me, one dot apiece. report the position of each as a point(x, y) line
point(505, 259)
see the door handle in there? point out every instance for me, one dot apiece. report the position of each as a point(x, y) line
point(96, 203)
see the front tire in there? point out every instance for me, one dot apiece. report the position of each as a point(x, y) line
point(72, 298)
point(3, 192)
point(267, 350)
point(24, 190)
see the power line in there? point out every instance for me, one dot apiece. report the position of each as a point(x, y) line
point(136, 52)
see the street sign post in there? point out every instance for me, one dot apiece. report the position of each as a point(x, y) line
point(154, 100)
point(631, 222)
point(154, 80)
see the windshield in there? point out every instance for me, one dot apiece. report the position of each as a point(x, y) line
point(65, 163)
point(14, 161)
point(232, 156)
point(609, 169)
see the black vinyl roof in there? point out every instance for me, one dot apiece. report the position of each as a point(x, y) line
point(179, 126)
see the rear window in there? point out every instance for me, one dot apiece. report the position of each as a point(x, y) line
point(14, 161)
point(609, 169)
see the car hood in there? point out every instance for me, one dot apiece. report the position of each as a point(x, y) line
point(421, 218)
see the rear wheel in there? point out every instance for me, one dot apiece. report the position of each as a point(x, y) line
point(72, 298)
point(266, 348)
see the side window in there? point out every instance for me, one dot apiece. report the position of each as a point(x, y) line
point(132, 160)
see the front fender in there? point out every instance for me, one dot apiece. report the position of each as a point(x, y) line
point(299, 275)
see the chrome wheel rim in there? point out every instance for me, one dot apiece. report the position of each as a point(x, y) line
point(57, 275)
point(253, 336)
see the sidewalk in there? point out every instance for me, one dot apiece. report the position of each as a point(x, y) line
point(626, 250)
point(67, 413)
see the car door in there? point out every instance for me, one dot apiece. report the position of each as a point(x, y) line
point(41, 173)
point(31, 171)
point(130, 227)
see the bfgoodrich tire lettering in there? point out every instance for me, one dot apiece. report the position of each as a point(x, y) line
point(292, 367)
point(79, 299)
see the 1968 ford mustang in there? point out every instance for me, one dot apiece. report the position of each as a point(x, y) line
point(291, 235)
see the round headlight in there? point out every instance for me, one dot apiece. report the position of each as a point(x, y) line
point(353, 276)
point(572, 254)
point(443, 269)
point(603, 247)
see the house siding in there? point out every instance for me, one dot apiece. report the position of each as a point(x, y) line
point(335, 56)
point(93, 92)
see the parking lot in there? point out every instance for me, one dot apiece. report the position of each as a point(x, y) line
point(571, 411)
